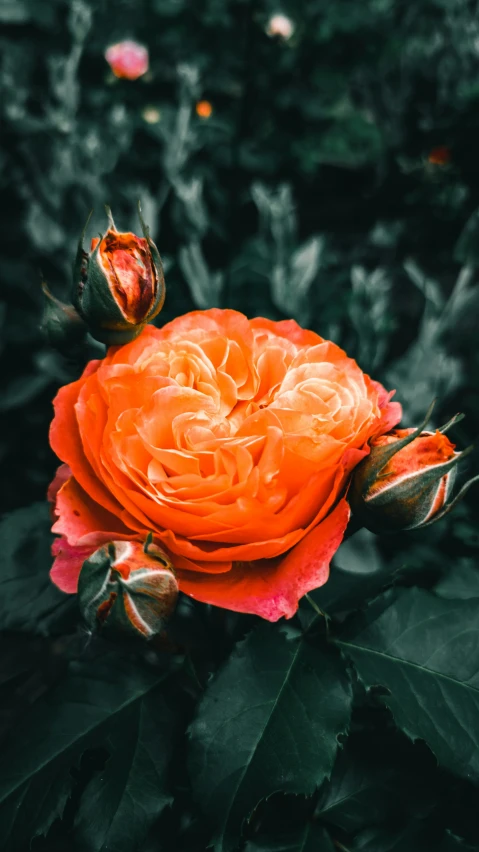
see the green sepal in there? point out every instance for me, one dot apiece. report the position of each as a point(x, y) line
point(459, 496)
point(116, 337)
point(413, 484)
point(158, 266)
point(118, 621)
point(369, 469)
point(77, 265)
point(61, 323)
point(402, 507)
point(111, 221)
point(96, 302)
point(93, 584)
point(138, 604)
point(452, 422)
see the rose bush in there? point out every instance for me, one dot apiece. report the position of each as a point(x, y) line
point(231, 440)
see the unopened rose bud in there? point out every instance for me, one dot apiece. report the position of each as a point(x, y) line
point(61, 324)
point(406, 481)
point(440, 156)
point(127, 588)
point(119, 286)
point(127, 59)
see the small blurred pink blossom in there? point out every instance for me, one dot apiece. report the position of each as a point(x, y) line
point(280, 25)
point(127, 59)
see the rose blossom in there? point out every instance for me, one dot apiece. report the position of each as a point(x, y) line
point(127, 59)
point(280, 25)
point(231, 440)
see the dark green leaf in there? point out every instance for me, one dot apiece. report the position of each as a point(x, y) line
point(451, 843)
point(373, 780)
point(23, 390)
point(77, 714)
point(357, 575)
point(410, 838)
point(311, 838)
point(121, 802)
point(460, 582)
point(414, 837)
point(268, 722)
point(32, 809)
point(28, 599)
point(424, 651)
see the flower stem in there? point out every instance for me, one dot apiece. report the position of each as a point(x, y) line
point(318, 611)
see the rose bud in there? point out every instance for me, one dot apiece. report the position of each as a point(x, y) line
point(61, 324)
point(127, 59)
point(119, 287)
point(406, 480)
point(440, 156)
point(127, 587)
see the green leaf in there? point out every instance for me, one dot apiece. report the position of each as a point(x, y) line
point(121, 803)
point(424, 650)
point(28, 599)
point(357, 575)
point(451, 843)
point(414, 837)
point(268, 722)
point(411, 838)
point(32, 808)
point(311, 838)
point(49, 739)
point(375, 779)
point(460, 582)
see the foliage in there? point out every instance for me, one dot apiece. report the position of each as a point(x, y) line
point(310, 192)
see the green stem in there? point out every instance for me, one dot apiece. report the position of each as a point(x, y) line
point(318, 611)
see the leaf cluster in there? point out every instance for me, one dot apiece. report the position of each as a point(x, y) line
point(355, 732)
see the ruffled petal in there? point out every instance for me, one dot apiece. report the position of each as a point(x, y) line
point(82, 521)
point(273, 588)
point(391, 412)
point(62, 474)
point(67, 565)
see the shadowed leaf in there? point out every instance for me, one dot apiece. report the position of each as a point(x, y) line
point(424, 650)
point(268, 722)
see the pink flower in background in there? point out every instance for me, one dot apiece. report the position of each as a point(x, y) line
point(127, 59)
point(280, 25)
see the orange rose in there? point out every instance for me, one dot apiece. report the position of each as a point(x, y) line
point(232, 441)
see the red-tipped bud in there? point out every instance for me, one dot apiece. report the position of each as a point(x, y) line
point(406, 481)
point(126, 587)
point(119, 286)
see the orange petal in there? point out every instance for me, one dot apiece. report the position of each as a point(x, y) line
point(273, 588)
point(84, 522)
